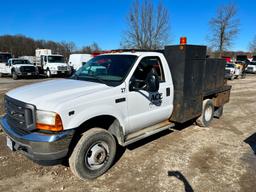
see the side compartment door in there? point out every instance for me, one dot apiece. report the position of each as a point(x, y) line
point(148, 108)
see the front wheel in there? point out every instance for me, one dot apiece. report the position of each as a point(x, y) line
point(207, 114)
point(48, 73)
point(93, 154)
point(14, 75)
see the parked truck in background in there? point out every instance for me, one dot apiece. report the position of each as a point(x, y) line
point(251, 68)
point(51, 64)
point(78, 60)
point(4, 57)
point(114, 99)
point(18, 68)
point(231, 71)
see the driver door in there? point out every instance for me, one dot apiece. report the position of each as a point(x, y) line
point(148, 108)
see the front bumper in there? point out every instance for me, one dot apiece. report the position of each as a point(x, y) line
point(59, 72)
point(40, 147)
point(228, 75)
point(27, 74)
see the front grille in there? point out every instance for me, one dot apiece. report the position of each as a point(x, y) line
point(250, 68)
point(62, 68)
point(20, 116)
point(27, 69)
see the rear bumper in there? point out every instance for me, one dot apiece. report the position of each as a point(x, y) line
point(40, 147)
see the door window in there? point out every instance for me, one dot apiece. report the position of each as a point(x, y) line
point(148, 65)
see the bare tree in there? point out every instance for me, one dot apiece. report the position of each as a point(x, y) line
point(147, 28)
point(252, 46)
point(94, 47)
point(224, 27)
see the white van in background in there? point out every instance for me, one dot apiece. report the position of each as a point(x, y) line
point(78, 60)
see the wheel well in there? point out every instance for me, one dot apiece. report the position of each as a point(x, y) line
point(104, 121)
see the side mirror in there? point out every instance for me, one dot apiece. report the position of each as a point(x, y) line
point(152, 83)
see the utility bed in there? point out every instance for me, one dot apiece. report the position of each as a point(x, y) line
point(195, 78)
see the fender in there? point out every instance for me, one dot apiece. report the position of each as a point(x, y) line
point(95, 111)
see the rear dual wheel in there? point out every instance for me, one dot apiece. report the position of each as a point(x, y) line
point(207, 114)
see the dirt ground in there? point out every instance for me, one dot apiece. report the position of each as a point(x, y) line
point(218, 158)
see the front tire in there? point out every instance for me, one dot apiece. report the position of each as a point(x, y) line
point(93, 154)
point(207, 114)
point(14, 75)
point(48, 73)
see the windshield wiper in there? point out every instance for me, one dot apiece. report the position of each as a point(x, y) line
point(98, 79)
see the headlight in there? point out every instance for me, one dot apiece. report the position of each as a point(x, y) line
point(46, 120)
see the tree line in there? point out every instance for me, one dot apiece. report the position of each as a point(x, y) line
point(20, 45)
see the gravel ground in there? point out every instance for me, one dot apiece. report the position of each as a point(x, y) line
point(218, 158)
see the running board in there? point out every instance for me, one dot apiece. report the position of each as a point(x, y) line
point(146, 132)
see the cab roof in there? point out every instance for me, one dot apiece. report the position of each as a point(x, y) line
point(136, 53)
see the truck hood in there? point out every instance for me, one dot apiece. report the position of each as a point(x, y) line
point(23, 65)
point(50, 94)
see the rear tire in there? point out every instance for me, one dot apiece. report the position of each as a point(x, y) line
point(94, 154)
point(207, 114)
point(218, 112)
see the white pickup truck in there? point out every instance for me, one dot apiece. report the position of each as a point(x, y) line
point(18, 68)
point(251, 68)
point(114, 99)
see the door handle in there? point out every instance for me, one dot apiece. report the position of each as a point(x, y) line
point(168, 91)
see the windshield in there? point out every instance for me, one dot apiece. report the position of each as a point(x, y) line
point(108, 69)
point(230, 65)
point(14, 62)
point(253, 63)
point(55, 59)
point(4, 57)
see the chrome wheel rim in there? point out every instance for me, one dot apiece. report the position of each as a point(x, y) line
point(97, 155)
point(208, 113)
